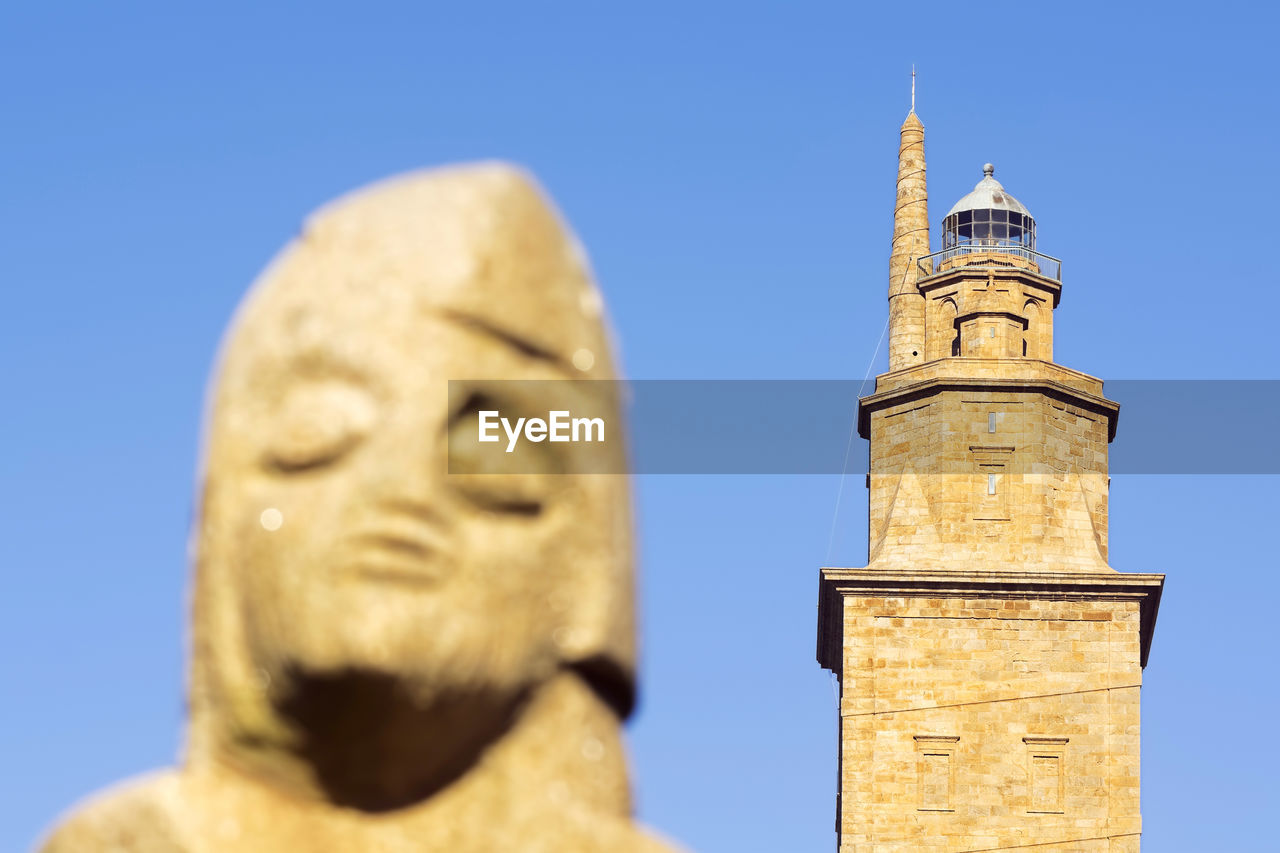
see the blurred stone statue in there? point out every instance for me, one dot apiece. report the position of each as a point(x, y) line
point(392, 651)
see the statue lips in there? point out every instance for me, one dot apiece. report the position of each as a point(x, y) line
point(416, 557)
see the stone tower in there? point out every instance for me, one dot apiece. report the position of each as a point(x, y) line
point(990, 660)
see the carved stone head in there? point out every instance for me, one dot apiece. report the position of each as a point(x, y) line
point(336, 555)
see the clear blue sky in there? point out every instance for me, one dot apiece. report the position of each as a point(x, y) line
point(730, 168)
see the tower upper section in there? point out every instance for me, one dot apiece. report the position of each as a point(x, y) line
point(983, 450)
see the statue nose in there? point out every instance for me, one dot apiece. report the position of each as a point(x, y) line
point(409, 472)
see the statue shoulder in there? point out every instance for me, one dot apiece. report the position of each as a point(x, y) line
point(650, 843)
point(621, 835)
point(136, 816)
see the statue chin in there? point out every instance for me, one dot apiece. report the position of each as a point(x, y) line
point(375, 741)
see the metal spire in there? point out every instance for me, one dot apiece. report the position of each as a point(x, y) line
point(913, 87)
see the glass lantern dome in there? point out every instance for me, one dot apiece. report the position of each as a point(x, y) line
point(989, 219)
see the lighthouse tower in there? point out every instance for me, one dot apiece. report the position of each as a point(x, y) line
point(990, 659)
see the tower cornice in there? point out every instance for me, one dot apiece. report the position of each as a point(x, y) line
point(988, 374)
point(954, 276)
point(836, 583)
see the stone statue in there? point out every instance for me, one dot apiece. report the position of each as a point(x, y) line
point(394, 651)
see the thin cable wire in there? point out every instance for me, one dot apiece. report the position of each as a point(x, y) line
point(848, 446)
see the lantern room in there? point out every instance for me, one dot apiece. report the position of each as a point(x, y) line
point(988, 219)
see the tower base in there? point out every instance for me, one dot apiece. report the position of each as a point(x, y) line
point(987, 710)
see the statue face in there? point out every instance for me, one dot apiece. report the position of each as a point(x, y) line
point(353, 548)
point(334, 548)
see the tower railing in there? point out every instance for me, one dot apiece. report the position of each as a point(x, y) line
point(990, 253)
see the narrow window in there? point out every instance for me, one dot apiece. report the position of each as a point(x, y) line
point(991, 484)
point(935, 781)
point(936, 772)
point(991, 422)
point(1045, 777)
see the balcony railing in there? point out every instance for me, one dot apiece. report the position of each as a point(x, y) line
point(990, 254)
